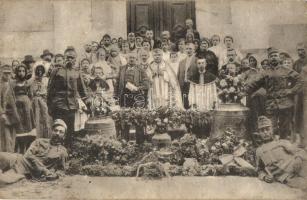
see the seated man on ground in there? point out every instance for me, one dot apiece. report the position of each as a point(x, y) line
point(278, 159)
point(41, 160)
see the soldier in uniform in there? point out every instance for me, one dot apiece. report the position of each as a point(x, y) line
point(66, 88)
point(281, 84)
point(279, 160)
point(42, 160)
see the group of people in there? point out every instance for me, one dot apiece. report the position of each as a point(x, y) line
point(142, 71)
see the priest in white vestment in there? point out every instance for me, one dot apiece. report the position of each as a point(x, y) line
point(164, 90)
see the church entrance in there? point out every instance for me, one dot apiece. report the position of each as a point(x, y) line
point(158, 15)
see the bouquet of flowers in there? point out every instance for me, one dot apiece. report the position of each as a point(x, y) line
point(230, 89)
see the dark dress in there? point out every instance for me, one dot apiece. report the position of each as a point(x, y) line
point(42, 118)
point(26, 132)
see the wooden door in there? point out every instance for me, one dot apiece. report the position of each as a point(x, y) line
point(140, 16)
point(176, 13)
point(158, 15)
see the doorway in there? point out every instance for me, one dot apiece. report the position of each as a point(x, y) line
point(158, 15)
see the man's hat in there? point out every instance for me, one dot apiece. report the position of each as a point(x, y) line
point(6, 69)
point(263, 121)
point(70, 48)
point(28, 59)
point(272, 50)
point(59, 55)
point(46, 52)
point(59, 122)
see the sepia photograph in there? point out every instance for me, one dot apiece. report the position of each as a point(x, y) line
point(153, 99)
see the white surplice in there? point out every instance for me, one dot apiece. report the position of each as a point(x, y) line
point(165, 90)
point(203, 96)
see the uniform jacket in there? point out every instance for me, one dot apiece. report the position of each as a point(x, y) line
point(280, 83)
point(276, 158)
point(64, 87)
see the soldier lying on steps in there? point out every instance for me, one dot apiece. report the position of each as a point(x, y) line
point(278, 159)
point(40, 161)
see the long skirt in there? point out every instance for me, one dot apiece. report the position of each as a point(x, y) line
point(42, 118)
point(26, 133)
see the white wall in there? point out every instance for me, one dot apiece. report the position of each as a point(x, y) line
point(255, 24)
point(29, 26)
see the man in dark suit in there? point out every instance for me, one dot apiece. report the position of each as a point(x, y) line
point(132, 84)
point(187, 67)
point(131, 89)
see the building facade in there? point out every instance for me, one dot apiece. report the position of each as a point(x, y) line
point(29, 26)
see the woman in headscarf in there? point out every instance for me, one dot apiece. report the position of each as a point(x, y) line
point(42, 118)
point(146, 44)
point(189, 37)
point(26, 133)
point(116, 59)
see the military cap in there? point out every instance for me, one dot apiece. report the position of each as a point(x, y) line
point(263, 121)
point(59, 122)
point(70, 48)
point(6, 69)
point(272, 50)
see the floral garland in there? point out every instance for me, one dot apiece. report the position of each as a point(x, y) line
point(161, 118)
